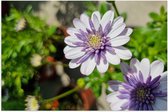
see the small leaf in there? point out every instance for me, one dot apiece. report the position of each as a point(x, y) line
point(162, 10)
point(154, 16)
point(51, 30)
point(103, 8)
point(52, 48)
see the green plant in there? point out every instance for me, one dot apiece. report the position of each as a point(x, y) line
point(22, 36)
point(150, 40)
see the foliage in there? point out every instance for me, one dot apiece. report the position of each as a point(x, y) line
point(150, 41)
point(12, 104)
point(19, 41)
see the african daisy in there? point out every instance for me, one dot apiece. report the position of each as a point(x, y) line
point(145, 87)
point(96, 42)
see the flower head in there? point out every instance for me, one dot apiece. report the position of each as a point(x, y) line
point(96, 42)
point(145, 87)
point(32, 103)
point(36, 60)
point(21, 24)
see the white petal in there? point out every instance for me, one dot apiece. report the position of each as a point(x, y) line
point(123, 52)
point(160, 104)
point(79, 24)
point(73, 52)
point(124, 68)
point(128, 32)
point(164, 76)
point(157, 68)
point(112, 97)
point(119, 20)
point(117, 31)
point(85, 19)
point(134, 65)
point(73, 64)
point(114, 85)
point(112, 58)
point(95, 21)
point(115, 102)
point(118, 41)
point(145, 68)
point(88, 66)
point(97, 13)
point(72, 31)
point(117, 105)
point(108, 16)
point(163, 82)
point(102, 67)
point(70, 40)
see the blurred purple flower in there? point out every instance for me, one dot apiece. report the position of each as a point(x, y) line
point(96, 42)
point(145, 87)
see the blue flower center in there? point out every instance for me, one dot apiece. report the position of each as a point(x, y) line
point(143, 94)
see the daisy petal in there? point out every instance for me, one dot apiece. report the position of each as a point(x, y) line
point(108, 16)
point(145, 68)
point(88, 66)
point(112, 58)
point(73, 52)
point(163, 82)
point(71, 40)
point(73, 63)
point(112, 98)
point(97, 14)
point(124, 68)
point(157, 68)
point(72, 31)
point(95, 22)
point(102, 67)
point(119, 20)
point(79, 24)
point(123, 52)
point(118, 41)
point(114, 85)
point(115, 102)
point(117, 31)
point(134, 65)
point(85, 19)
point(126, 32)
point(160, 104)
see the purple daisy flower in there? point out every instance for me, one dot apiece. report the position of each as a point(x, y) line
point(145, 87)
point(96, 42)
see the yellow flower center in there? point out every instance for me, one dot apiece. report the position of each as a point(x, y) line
point(95, 41)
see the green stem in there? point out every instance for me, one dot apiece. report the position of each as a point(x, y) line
point(61, 95)
point(115, 8)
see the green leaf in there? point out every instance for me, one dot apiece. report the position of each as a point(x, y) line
point(103, 8)
point(51, 30)
point(154, 16)
point(162, 10)
point(14, 104)
point(52, 48)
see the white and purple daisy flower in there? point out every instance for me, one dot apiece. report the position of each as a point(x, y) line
point(145, 87)
point(96, 42)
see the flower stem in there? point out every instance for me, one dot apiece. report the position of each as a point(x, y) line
point(61, 95)
point(115, 8)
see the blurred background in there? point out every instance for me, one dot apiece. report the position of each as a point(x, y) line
point(33, 62)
